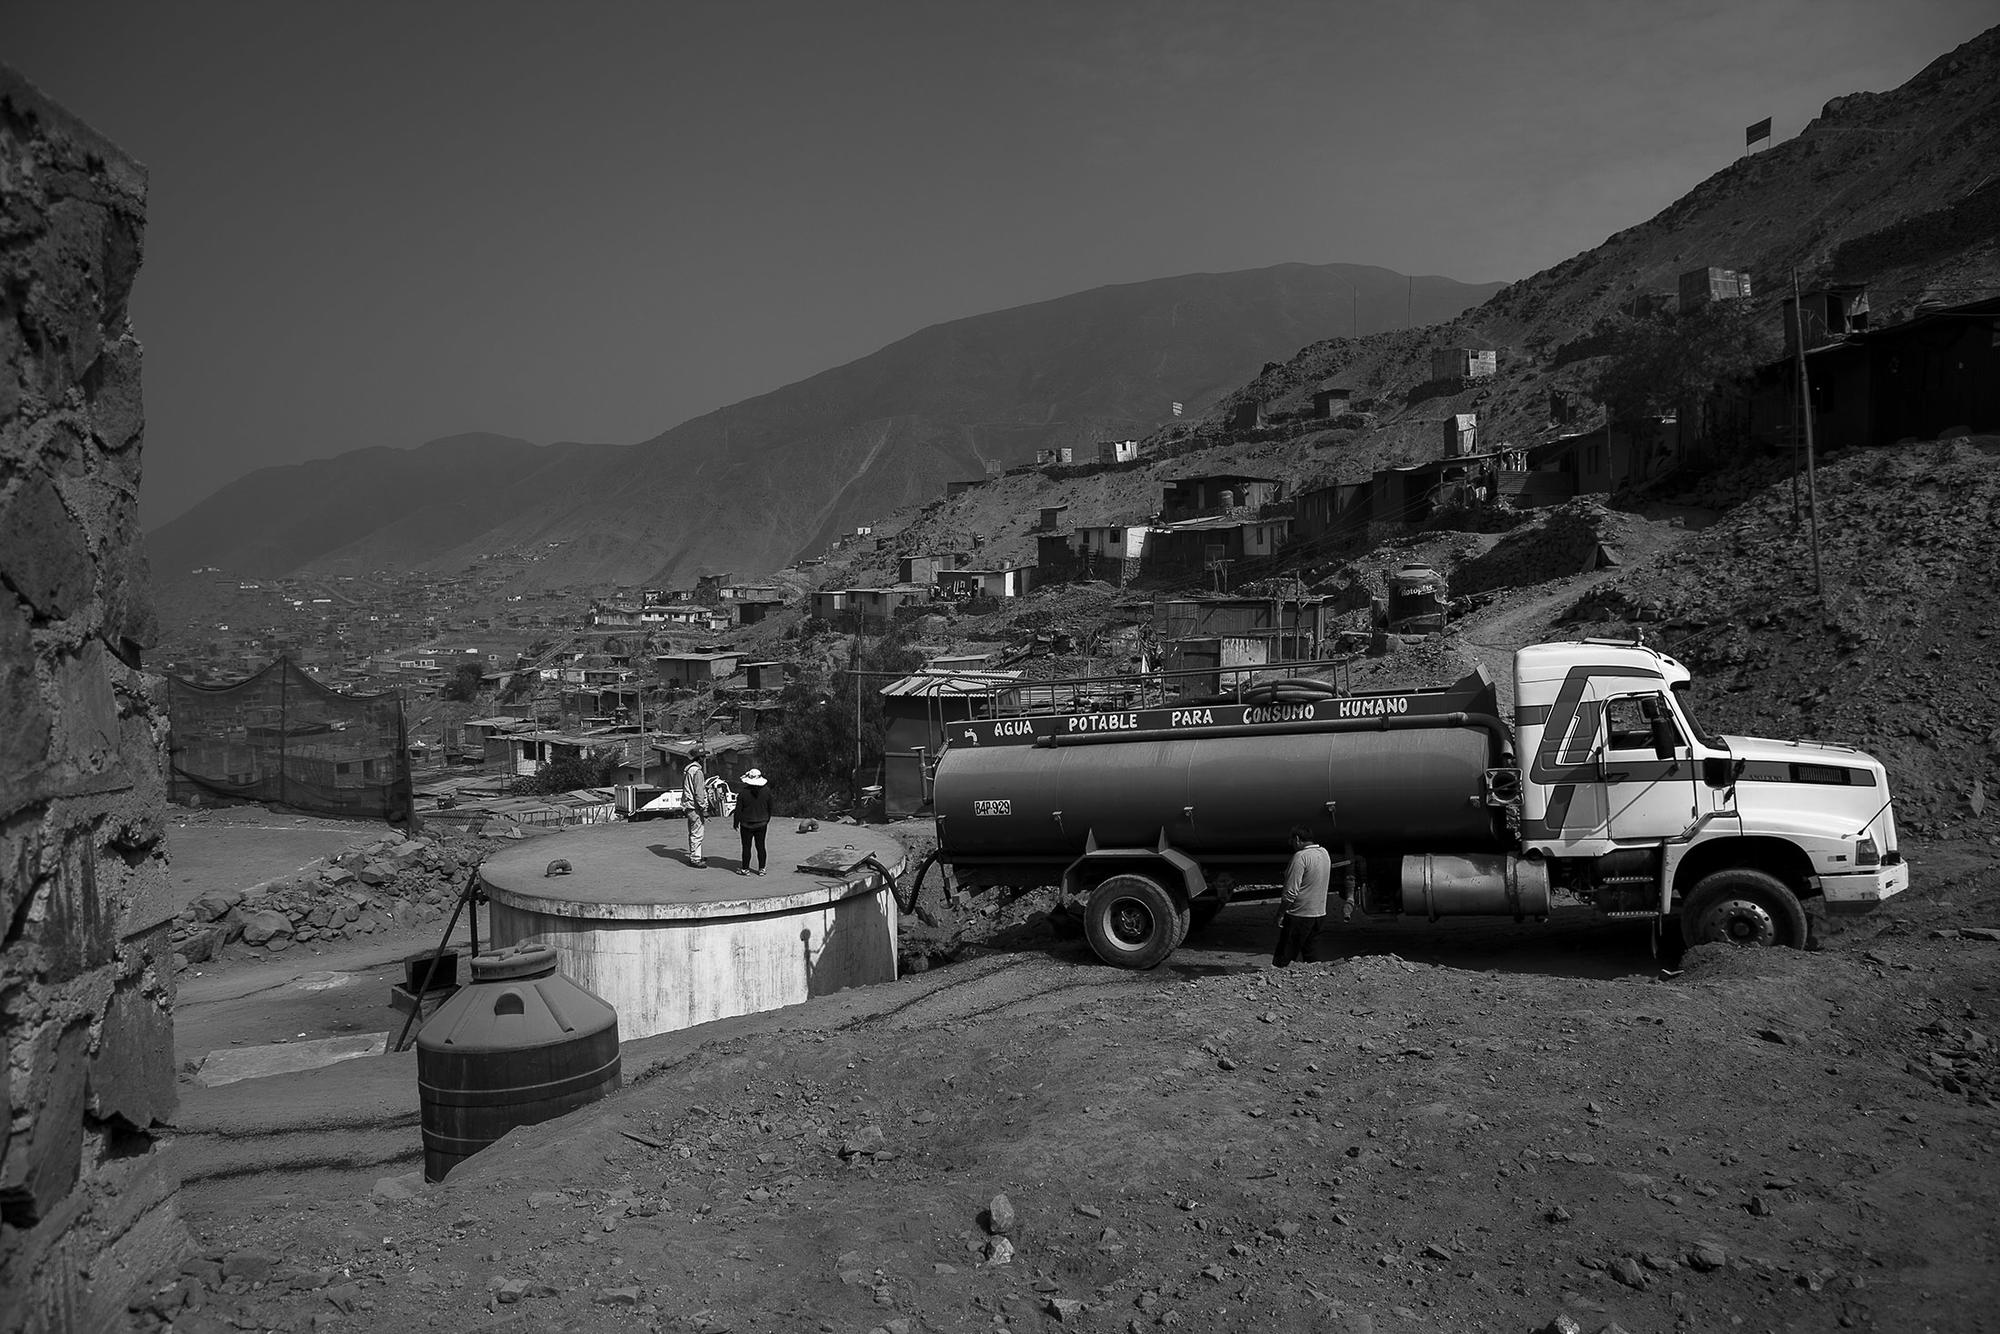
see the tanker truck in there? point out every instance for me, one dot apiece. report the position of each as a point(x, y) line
point(1605, 792)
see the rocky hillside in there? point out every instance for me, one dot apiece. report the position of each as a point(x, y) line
point(1893, 189)
point(1897, 657)
point(749, 487)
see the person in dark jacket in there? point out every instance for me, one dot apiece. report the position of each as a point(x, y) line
point(753, 818)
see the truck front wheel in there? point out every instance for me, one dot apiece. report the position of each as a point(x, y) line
point(1743, 907)
point(1134, 922)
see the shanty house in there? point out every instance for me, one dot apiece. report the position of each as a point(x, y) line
point(1117, 451)
point(1699, 287)
point(1332, 400)
point(1326, 511)
point(918, 712)
point(1463, 363)
point(694, 669)
point(1216, 494)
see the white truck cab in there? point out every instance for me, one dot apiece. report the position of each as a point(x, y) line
point(1617, 775)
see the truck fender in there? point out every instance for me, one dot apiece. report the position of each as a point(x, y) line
point(1179, 868)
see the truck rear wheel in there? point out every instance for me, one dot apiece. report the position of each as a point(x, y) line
point(1743, 907)
point(1134, 922)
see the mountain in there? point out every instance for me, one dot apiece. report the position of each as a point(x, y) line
point(1896, 191)
point(749, 487)
point(406, 504)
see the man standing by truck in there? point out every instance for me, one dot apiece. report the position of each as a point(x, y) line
point(1303, 910)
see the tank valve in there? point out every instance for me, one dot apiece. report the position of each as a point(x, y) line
point(560, 866)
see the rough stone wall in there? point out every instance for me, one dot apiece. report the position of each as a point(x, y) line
point(87, 1203)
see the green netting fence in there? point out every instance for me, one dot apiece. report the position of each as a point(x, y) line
point(282, 738)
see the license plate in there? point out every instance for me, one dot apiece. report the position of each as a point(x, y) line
point(1004, 806)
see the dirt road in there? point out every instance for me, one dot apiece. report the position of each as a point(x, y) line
point(1479, 1129)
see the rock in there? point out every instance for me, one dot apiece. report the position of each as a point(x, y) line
point(263, 925)
point(405, 1187)
point(618, 1297)
point(999, 1251)
point(1759, 1206)
point(1564, 1323)
point(511, 1290)
point(1626, 1270)
point(1090, 1211)
point(1980, 932)
point(1224, 1063)
point(1436, 1252)
point(213, 906)
point(377, 873)
point(207, 1272)
point(1064, 1308)
point(250, 1266)
point(1706, 1256)
point(547, 1199)
point(867, 1140)
point(1000, 1216)
point(1772, 1035)
point(336, 876)
point(1558, 1214)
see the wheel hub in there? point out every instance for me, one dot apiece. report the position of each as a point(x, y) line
point(1741, 922)
point(1131, 923)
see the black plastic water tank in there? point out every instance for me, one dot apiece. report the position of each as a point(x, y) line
point(520, 1044)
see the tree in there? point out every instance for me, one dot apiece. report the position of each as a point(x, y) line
point(809, 754)
point(465, 683)
point(1661, 365)
point(569, 773)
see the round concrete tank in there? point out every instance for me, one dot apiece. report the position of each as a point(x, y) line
point(522, 1044)
point(672, 945)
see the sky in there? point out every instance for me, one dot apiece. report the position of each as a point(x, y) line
point(378, 223)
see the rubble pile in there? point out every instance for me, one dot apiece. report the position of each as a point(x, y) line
point(394, 881)
point(1559, 542)
point(1893, 659)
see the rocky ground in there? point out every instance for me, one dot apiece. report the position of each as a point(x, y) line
point(1480, 1128)
point(386, 882)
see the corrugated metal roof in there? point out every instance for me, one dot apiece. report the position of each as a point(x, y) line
point(951, 683)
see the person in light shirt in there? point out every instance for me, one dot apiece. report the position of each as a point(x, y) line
point(1302, 911)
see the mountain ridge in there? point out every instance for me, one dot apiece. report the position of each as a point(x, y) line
point(779, 473)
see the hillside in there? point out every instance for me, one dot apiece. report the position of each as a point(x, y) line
point(1896, 190)
point(385, 508)
point(749, 487)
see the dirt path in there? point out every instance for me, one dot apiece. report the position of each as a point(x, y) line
point(1477, 1129)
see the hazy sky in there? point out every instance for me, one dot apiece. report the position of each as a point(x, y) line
point(376, 223)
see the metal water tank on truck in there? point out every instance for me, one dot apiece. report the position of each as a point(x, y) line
point(1605, 794)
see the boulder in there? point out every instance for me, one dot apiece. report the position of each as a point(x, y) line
point(261, 925)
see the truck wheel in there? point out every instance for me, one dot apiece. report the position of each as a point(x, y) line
point(1134, 922)
point(1743, 907)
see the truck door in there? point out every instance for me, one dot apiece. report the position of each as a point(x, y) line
point(1649, 775)
point(1576, 811)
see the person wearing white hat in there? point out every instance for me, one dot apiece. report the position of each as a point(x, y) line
point(753, 819)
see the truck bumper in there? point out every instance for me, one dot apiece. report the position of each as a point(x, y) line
point(1863, 891)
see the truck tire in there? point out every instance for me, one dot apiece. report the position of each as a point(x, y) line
point(1134, 921)
point(1743, 907)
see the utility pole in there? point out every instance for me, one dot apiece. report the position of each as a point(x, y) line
point(1805, 422)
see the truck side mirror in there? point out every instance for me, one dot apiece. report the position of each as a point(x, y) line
point(1666, 738)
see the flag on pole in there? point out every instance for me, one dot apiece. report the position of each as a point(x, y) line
point(1753, 133)
point(1177, 409)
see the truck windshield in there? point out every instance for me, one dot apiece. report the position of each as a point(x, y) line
point(1702, 734)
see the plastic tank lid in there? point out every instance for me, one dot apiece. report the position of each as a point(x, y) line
point(513, 963)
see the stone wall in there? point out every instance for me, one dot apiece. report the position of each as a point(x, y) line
point(87, 1204)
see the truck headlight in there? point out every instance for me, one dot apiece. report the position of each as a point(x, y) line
point(1866, 853)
